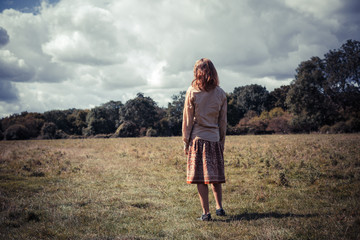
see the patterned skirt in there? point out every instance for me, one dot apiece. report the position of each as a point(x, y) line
point(205, 162)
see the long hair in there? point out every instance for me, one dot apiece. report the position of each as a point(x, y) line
point(205, 75)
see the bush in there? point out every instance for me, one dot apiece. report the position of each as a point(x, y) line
point(127, 129)
point(279, 125)
point(1, 135)
point(17, 132)
point(339, 127)
point(276, 112)
point(325, 129)
point(48, 130)
point(236, 130)
point(151, 132)
point(60, 134)
point(257, 126)
point(353, 124)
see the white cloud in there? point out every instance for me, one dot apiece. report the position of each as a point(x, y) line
point(87, 52)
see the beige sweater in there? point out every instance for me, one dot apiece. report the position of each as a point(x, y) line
point(204, 116)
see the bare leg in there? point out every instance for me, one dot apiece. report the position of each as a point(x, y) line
point(217, 191)
point(204, 197)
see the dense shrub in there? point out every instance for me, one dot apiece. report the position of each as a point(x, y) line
point(60, 134)
point(17, 132)
point(325, 129)
point(279, 125)
point(127, 129)
point(340, 127)
point(48, 130)
point(256, 126)
point(353, 124)
point(151, 132)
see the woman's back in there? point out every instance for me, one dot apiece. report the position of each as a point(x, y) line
point(206, 111)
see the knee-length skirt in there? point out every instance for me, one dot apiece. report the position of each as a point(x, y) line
point(205, 162)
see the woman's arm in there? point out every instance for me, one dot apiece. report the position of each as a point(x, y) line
point(223, 122)
point(188, 119)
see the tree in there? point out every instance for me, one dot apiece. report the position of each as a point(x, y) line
point(48, 130)
point(77, 121)
point(33, 122)
point(234, 113)
point(343, 77)
point(277, 97)
point(174, 113)
point(142, 111)
point(59, 118)
point(243, 99)
point(16, 132)
point(306, 98)
point(112, 109)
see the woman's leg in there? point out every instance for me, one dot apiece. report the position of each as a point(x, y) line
point(204, 197)
point(217, 190)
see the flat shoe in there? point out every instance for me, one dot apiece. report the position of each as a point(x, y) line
point(205, 217)
point(220, 212)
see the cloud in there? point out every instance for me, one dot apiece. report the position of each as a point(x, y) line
point(12, 68)
point(4, 37)
point(87, 52)
point(8, 93)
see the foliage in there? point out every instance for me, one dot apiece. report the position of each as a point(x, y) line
point(151, 132)
point(31, 121)
point(16, 132)
point(77, 121)
point(174, 113)
point(59, 118)
point(343, 76)
point(142, 111)
point(280, 124)
point(277, 97)
point(306, 98)
point(48, 130)
point(243, 99)
point(127, 129)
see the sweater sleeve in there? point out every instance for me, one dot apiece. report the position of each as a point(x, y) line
point(188, 118)
point(223, 122)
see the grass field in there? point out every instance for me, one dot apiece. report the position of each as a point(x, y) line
point(278, 187)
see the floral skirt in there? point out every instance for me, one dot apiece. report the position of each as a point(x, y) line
point(205, 162)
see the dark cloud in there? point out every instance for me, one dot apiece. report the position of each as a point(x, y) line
point(4, 37)
point(349, 16)
point(13, 69)
point(8, 92)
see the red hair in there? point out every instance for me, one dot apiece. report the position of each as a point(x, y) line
point(206, 77)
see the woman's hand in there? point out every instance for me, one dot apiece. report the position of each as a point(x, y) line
point(186, 151)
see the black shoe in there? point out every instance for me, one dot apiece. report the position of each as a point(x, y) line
point(205, 217)
point(220, 212)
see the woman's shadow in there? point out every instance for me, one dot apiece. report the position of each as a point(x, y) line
point(254, 216)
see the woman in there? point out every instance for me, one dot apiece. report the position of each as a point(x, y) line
point(203, 132)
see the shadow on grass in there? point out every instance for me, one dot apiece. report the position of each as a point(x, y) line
point(255, 216)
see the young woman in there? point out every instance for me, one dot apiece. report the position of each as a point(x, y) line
point(203, 132)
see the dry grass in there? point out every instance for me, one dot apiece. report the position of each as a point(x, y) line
point(278, 187)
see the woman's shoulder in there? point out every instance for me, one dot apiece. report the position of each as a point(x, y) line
point(191, 89)
point(220, 91)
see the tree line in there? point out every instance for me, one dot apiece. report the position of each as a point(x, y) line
point(323, 97)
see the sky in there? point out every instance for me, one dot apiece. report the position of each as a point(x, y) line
point(63, 54)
